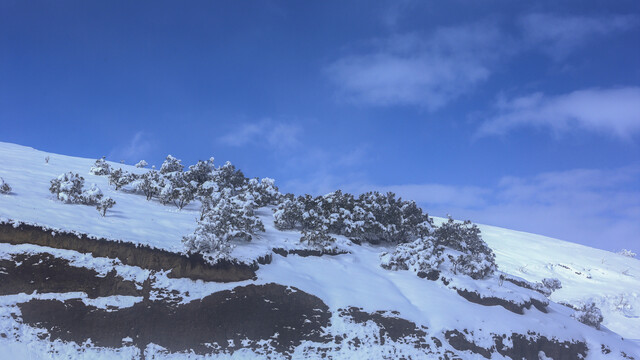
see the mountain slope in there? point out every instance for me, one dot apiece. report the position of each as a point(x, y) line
point(363, 310)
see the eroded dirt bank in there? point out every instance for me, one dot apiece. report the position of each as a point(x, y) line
point(44, 273)
point(192, 266)
point(279, 315)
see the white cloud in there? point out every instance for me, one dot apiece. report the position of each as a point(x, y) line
point(137, 148)
point(558, 36)
point(432, 69)
point(266, 133)
point(416, 69)
point(612, 111)
point(598, 208)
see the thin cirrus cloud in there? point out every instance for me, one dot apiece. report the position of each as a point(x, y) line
point(266, 133)
point(430, 69)
point(558, 36)
point(417, 69)
point(138, 147)
point(615, 112)
point(587, 206)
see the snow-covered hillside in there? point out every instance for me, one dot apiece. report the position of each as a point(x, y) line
point(351, 280)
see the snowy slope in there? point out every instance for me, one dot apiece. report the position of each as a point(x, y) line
point(353, 279)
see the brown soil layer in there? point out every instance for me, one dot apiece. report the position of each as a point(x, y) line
point(44, 273)
point(282, 316)
point(191, 266)
point(476, 298)
point(307, 252)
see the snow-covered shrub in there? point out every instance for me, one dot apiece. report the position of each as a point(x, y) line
point(120, 178)
point(373, 217)
point(148, 183)
point(141, 164)
point(105, 204)
point(229, 218)
point(4, 187)
point(201, 172)
point(171, 164)
point(175, 189)
point(264, 192)
point(91, 196)
point(227, 177)
point(101, 167)
point(288, 214)
point(589, 314)
point(627, 253)
point(552, 284)
point(454, 247)
point(420, 255)
point(68, 187)
point(318, 239)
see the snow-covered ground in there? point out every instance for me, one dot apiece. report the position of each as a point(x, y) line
point(353, 279)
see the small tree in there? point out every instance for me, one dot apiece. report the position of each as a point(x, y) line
point(105, 204)
point(120, 178)
point(264, 192)
point(171, 164)
point(589, 314)
point(4, 187)
point(229, 218)
point(227, 177)
point(177, 190)
point(318, 239)
point(141, 164)
point(552, 284)
point(91, 196)
point(288, 215)
point(101, 167)
point(627, 253)
point(149, 184)
point(67, 187)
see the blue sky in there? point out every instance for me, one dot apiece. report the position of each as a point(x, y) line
point(521, 115)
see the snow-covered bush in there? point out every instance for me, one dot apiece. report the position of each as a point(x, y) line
point(264, 192)
point(420, 255)
point(627, 253)
point(373, 217)
point(288, 215)
point(68, 187)
point(101, 167)
point(454, 247)
point(318, 239)
point(201, 172)
point(4, 187)
point(141, 164)
point(148, 183)
point(175, 189)
point(228, 177)
point(91, 196)
point(229, 218)
point(171, 164)
point(105, 204)
point(589, 314)
point(120, 178)
point(551, 284)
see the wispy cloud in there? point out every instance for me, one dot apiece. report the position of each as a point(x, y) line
point(266, 133)
point(418, 69)
point(431, 69)
point(611, 111)
point(596, 207)
point(558, 36)
point(139, 146)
